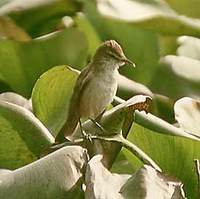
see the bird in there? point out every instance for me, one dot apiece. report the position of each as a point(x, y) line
point(95, 87)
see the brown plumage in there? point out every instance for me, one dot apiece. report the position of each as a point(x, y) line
point(95, 87)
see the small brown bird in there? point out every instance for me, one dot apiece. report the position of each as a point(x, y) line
point(95, 87)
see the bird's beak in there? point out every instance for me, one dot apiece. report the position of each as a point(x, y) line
point(127, 61)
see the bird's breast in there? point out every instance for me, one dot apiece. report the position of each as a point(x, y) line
point(97, 94)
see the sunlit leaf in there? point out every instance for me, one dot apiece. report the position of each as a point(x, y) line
point(184, 67)
point(187, 113)
point(100, 183)
point(189, 47)
point(147, 183)
point(57, 175)
point(16, 99)
point(154, 15)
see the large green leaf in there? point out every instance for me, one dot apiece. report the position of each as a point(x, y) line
point(186, 7)
point(22, 63)
point(39, 17)
point(57, 175)
point(174, 155)
point(51, 96)
point(22, 136)
point(154, 15)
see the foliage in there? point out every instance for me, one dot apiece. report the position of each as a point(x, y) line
point(44, 45)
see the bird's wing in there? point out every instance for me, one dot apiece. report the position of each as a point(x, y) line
point(81, 82)
point(73, 113)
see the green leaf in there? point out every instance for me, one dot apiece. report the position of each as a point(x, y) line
point(22, 63)
point(186, 7)
point(57, 175)
point(173, 154)
point(39, 17)
point(163, 107)
point(121, 164)
point(51, 96)
point(154, 15)
point(22, 136)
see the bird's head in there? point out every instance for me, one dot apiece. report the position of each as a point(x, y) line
point(111, 51)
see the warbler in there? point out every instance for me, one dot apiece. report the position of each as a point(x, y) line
point(95, 87)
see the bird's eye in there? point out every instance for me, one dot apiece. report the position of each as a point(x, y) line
point(114, 55)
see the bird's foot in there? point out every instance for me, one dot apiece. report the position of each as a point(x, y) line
point(87, 136)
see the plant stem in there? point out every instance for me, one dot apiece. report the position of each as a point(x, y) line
point(125, 143)
point(131, 147)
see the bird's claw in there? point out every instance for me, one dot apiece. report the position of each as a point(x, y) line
point(87, 136)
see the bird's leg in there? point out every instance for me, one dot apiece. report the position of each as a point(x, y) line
point(97, 120)
point(98, 125)
point(82, 131)
point(84, 134)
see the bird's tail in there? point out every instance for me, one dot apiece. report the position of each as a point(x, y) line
point(67, 130)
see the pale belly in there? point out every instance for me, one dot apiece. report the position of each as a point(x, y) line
point(98, 93)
